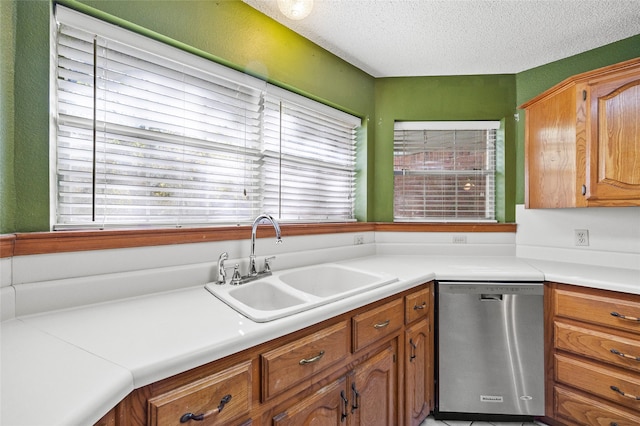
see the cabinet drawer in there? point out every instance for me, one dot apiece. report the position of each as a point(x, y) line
point(598, 308)
point(377, 323)
point(607, 383)
point(586, 411)
point(417, 305)
point(608, 347)
point(219, 398)
point(290, 364)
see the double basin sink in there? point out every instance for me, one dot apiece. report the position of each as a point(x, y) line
point(292, 291)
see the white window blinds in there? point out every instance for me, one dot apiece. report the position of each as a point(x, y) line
point(150, 134)
point(312, 154)
point(444, 171)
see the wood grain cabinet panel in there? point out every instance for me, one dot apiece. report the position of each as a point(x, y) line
point(613, 348)
point(418, 378)
point(377, 323)
point(582, 140)
point(610, 384)
point(417, 305)
point(296, 361)
point(613, 143)
point(603, 308)
point(326, 407)
point(215, 400)
point(579, 410)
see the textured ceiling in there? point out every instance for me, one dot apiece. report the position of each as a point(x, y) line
point(391, 38)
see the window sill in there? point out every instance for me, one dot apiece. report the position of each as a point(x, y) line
point(22, 244)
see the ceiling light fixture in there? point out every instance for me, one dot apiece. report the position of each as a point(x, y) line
point(295, 9)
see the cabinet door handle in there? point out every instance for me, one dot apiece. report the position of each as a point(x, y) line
point(345, 406)
point(412, 351)
point(417, 307)
point(356, 397)
point(382, 324)
point(617, 352)
point(316, 358)
point(625, 317)
point(626, 395)
point(200, 417)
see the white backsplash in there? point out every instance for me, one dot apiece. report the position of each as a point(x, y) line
point(548, 234)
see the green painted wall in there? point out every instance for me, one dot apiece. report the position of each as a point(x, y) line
point(7, 114)
point(532, 82)
point(480, 97)
point(235, 34)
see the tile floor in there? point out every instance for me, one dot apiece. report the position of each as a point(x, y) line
point(430, 421)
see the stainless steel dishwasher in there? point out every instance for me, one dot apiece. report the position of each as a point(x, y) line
point(490, 361)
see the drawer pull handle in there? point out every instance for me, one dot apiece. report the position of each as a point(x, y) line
point(316, 358)
point(418, 307)
point(382, 324)
point(617, 352)
point(624, 317)
point(627, 395)
point(200, 417)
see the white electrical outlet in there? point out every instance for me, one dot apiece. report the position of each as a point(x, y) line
point(459, 239)
point(581, 237)
point(358, 239)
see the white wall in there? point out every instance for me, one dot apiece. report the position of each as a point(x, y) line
point(548, 234)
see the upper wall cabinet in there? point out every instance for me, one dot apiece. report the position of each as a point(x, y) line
point(582, 140)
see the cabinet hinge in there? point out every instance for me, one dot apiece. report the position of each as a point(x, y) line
point(584, 95)
point(394, 358)
point(584, 189)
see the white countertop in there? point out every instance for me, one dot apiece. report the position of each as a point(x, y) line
point(76, 364)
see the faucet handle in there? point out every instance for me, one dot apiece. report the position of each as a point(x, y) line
point(222, 276)
point(236, 278)
point(267, 263)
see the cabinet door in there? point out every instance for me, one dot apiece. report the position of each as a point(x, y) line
point(373, 390)
point(613, 169)
point(551, 151)
point(418, 373)
point(327, 407)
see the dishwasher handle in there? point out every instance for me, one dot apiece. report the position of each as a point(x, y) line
point(487, 297)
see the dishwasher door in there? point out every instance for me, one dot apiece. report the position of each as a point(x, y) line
point(491, 348)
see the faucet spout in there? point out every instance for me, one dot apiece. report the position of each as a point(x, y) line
point(263, 218)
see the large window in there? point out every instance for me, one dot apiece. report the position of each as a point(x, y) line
point(149, 134)
point(444, 171)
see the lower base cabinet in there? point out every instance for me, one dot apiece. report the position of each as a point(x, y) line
point(418, 373)
point(371, 366)
point(593, 357)
point(365, 396)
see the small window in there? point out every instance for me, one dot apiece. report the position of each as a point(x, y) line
point(149, 134)
point(444, 171)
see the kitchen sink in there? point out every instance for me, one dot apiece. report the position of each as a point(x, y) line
point(292, 291)
point(264, 296)
point(329, 279)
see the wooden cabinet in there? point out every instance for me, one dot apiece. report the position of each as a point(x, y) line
point(329, 406)
point(419, 369)
point(348, 370)
point(364, 396)
point(582, 140)
point(292, 363)
point(214, 400)
point(593, 356)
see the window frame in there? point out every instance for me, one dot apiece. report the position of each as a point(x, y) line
point(91, 24)
point(489, 172)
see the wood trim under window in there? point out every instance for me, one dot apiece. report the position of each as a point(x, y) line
point(21, 244)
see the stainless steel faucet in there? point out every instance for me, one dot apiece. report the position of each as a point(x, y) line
point(253, 272)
